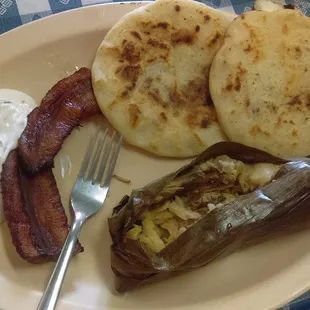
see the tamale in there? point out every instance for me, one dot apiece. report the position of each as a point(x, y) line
point(229, 197)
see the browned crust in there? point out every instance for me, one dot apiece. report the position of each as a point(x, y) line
point(62, 109)
point(32, 204)
point(134, 115)
point(34, 213)
point(17, 219)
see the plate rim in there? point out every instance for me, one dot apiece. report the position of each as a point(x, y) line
point(69, 12)
point(28, 28)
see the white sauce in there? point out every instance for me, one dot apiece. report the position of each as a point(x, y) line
point(14, 108)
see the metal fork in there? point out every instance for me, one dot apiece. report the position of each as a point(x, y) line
point(87, 198)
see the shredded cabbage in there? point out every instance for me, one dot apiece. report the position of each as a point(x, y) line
point(178, 208)
point(134, 232)
point(164, 224)
point(150, 236)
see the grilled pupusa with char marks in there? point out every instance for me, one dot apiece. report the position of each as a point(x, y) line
point(259, 82)
point(150, 76)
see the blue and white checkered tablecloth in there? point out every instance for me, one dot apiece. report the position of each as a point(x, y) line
point(14, 13)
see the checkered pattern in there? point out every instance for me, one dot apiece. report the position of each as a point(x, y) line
point(14, 13)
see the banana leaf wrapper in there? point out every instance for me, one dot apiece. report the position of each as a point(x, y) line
point(278, 208)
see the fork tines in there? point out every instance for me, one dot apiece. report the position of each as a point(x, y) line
point(101, 156)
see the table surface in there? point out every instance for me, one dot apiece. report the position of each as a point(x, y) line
point(14, 13)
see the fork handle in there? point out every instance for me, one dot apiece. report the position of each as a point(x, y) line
point(50, 296)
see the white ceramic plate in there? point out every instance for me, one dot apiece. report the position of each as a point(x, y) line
point(33, 58)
